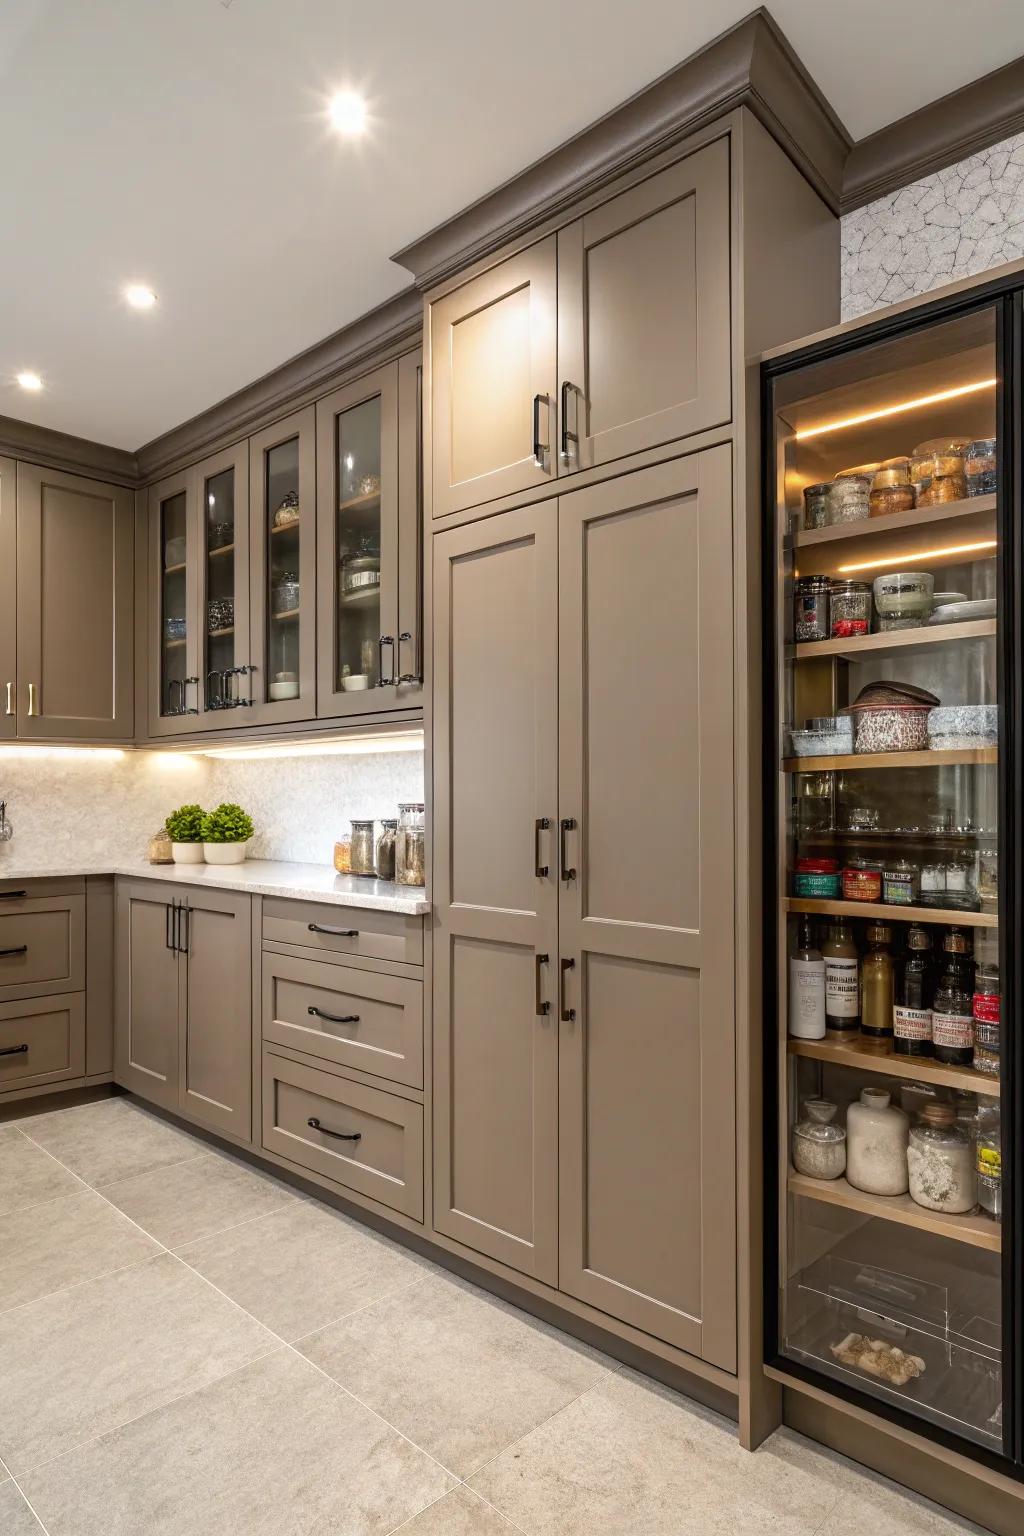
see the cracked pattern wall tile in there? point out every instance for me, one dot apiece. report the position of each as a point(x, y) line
point(954, 224)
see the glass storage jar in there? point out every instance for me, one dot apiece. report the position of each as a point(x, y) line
point(160, 849)
point(862, 880)
point(410, 845)
point(810, 608)
point(816, 505)
point(901, 883)
point(940, 1164)
point(980, 466)
point(363, 848)
point(816, 878)
point(360, 569)
point(876, 1144)
point(819, 1147)
point(849, 609)
point(886, 499)
point(343, 856)
point(849, 501)
point(990, 1163)
point(284, 594)
point(986, 1009)
point(386, 850)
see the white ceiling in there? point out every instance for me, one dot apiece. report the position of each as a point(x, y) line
point(182, 143)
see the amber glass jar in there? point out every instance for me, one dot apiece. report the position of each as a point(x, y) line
point(885, 499)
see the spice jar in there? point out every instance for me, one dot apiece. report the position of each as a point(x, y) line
point(849, 499)
point(816, 505)
point(862, 881)
point(363, 849)
point(159, 849)
point(876, 1144)
point(986, 1011)
point(343, 856)
point(386, 850)
point(901, 883)
point(939, 1162)
point(819, 1147)
point(980, 466)
point(410, 845)
point(817, 878)
point(810, 608)
point(849, 609)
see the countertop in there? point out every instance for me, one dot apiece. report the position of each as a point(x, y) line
point(260, 877)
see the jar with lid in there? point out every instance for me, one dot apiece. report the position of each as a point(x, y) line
point(876, 989)
point(901, 883)
point(817, 878)
point(989, 1154)
point(160, 850)
point(938, 458)
point(810, 608)
point(862, 880)
point(410, 845)
point(891, 490)
point(386, 849)
point(849, 609)
point(343, 856)
point(912, 1008)
point(986, 1012)
point(940, 1166)
point(363, 849)
point(980, 466)
point(876, 1144)
point(819, 1146)
point(816, 505)
point(849, 501)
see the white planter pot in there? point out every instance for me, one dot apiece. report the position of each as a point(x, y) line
point(187, 853)
point(225, 853)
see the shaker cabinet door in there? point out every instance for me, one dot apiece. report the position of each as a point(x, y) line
point(173, 615)
point(643, 314)
point(647, 1051)
point(495, 889)
point(215, 1061)
point(492, 360)
point(148, 1001)
point(8, 596)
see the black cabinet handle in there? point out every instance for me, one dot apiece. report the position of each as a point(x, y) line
point(186, 913)
point(567, 824)
point(167, 927)
point(336, 933)
point(333, 1018)
point(567, 1015)
point(567, 436)
point(540, 825)
point(14, 1050)
point(314, 1125)
point(382, 681)
point(539, 448)
point(12, 895)
point(542, 1008)
point(19, 949)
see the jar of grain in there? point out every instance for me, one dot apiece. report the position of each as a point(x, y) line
point(941, 1163)
point(410, 845)
point(363, 862)
point(876, 1144)
point(816, 505)
point(386, 850)
point(849, 501)
point(819, 1147)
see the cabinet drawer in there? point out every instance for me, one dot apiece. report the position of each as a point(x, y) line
point(42, 946)
point(359, 1019)
point(344, 930)
point(386, 1162)
point(45, 1039)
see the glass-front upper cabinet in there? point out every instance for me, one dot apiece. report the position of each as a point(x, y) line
point(174, 642)
point(887, 869)
point(222, 483)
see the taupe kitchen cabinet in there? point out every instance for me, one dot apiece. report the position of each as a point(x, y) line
point(8, 598)
point(183, 1035)
point(368, 544)
point(173, 607)
point(74, 608)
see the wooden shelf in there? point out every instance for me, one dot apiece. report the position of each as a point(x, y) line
point(890, 913)
point(362, 597)
point(354, 503)
point(904, 640)
point(171, 645)
point(917, 517)
point(918, 1069)
point(292, 527)
point(222, 549)
point(286, 616)
point(977, 1231)
point(857, 760)
point(172, 570)
point(215, 634)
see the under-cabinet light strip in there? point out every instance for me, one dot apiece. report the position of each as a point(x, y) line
point(898, 562)
point(894, 410)
point(405, 741)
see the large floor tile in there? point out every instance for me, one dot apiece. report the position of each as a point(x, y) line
point(74, 1238)
point(28, 1175)
point(16, 1519)
point(636, 1460)
point(272, 1450)
point(87, 1359)
point(459, 1513)
point(113, 1139)
point(459, 1373)
point(190, 1200)
point(303, 1267)
point(869, 1503)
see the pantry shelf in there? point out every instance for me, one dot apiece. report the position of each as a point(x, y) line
point(976, 756)
point(918, 1069)
point(906, 641)
point(976, 1231)
point(816, 907)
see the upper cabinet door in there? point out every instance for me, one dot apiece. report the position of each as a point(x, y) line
point(357, 546)
point(643, 314)
point(8, 594)
point(222, 493)
point(409, 640)
point(75, 607)
point(282, 523)
point(492, 361)
point(174, 647)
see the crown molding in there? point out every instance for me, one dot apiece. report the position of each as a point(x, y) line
point(59, 450)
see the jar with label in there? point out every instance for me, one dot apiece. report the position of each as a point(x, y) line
point(816, 498)
point(810, 608)
point(952, 1015)
point(386, 850)
point(876, 1144)
point(807, 987)
point(363, 849)
point(940, 1164)
point(819, 1146)
point(842, 983)
point(410, 845)
point(876, 990)
point(901, 883)
point(850, 499)
point(990, 1163)
point(849, 609)
point(912, 1009)
point(986, 1019)
point(862, 880)
point(816, 878)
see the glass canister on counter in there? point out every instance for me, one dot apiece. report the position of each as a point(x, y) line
point(363, 849)
point(411, 844)
point(386, 849)
point(160, 850)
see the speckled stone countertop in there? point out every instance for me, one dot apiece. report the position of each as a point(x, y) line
point(260, 877)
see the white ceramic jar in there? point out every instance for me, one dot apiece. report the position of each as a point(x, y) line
point(876, 1144)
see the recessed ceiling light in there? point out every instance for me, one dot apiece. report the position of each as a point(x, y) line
point(139, 296)
point(347, 112)
point(30, 381)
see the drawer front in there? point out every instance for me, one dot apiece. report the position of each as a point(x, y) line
point(344, 930)
point(359, 1019)
point(42, 946)
point(42, 1041)
point(386, 1162)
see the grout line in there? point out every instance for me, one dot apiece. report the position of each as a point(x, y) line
point(208, 1237)
point(95, 1187)
point(77, 1284)
point(31, 1507)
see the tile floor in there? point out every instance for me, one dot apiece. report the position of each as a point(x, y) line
point(188, 1348)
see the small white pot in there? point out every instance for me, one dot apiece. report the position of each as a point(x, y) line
point(225, 853)
point(187, 853)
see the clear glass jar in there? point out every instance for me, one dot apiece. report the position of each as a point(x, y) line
point(901, 883)
point(160, 849)
point(876, 1144)
point(343, 856)
point(386, 850)
point(990, 1163)
point(816, 505)
point(886, 499)
point(810, 608)
point(849, 501)
point(849, 609)
point(411, 845)
point(363, 862)
point(819, 1147)
point(940, 1166)
point(980, 466)
point(986, 1009)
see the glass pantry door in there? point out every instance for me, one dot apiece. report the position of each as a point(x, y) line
point(891, 975)
point(174, 653)
point(223, 482)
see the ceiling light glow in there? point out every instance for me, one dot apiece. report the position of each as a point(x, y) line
point(30, 381)
point(347, 112)
point(139, 296)
point(895, 410)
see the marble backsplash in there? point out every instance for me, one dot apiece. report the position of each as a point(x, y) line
point(97, 804)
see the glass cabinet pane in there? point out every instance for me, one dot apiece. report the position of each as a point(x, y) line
point(219, 618)
point(358, 547)
point(283, 597)
point(173, 604)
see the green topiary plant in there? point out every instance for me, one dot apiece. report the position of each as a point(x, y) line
point(185, 825)
point(227, 824)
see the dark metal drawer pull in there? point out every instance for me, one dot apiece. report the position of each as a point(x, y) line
point(540, 825)
point(19, 949)
point(12, 895)
point(567, 1014)
point(568, 824)
point(314, 1125)
point(539, 449)
point(567, 436)
point(336, 933)
point(542, 1008)
point(333, 1018)
point(14, 1050)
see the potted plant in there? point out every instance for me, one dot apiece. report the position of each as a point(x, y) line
point(226, 831)
point(185, 826)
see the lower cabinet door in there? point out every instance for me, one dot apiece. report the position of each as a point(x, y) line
point(215, 1040)
point(42, 1040)
point(148, 1004)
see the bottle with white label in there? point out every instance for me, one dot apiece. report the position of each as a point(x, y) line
point(912, 1013)
point(842, 983)
point(807, 988)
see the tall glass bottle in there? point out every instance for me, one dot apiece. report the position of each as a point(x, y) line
point(876, 987)
point(842, 983)
point(807, 987)
point(952, 1006)
point(915, 987)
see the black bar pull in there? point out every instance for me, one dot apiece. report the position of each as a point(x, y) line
point(333, 1018)
point(567, 1015)
point(314, 1125)
point(542, 1008)
point(167, 927)
point(19, 949)
point(539, 448)
point(12, 895)
point(186, 913)
point(14, 1050)
point(568, 824)
point(382, 681)
point(336, 933)
point(540, 825)
point(567, 436)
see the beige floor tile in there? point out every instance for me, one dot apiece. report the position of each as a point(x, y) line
point(113, 1139)
point(74, 1238)
point(191, 1200)
point(82, 1361)
point(303, 1267)
point(636, 1460)
point(28, 1175)
point(870, 1504)
point(272, 1450)
point(16, 1519)
point(461, 1374)
point(459, 1513)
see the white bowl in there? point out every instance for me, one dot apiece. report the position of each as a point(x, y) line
point(277, 691)
point(356, 682)
point(225, 853)
point(187, 853)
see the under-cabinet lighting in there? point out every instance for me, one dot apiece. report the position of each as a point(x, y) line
point(405, 741)
point(95, 754)
point(894, 410)
point(922, 556)
point(30, 381)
